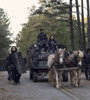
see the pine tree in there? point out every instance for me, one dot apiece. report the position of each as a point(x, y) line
point(4, 34)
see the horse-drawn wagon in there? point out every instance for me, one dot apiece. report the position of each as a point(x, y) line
point(57, 66)
point(38, 64)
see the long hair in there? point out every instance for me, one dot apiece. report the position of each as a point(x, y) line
point(13, 47)
point(51, 36)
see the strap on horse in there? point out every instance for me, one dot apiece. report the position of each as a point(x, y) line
point(48, 71)
point(54, 65)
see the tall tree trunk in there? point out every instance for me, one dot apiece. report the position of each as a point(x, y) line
point(83, 26)
point(79, 26)
point(71, 27)
point(88, 22)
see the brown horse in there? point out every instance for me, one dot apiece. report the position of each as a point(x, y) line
point(53, 60)
point(75, 60)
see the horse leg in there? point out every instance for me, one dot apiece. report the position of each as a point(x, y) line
point(76, 78)
point(60, 79)
point(53, 78)
point(71, 77)
point(57, 78)
point(79, 76)
point(49, 76)
point(57, 81)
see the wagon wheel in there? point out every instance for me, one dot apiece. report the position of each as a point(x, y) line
point(35, 76)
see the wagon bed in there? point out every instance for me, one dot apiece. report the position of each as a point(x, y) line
point(39, 68)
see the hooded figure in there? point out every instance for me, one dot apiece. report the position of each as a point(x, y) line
point(12, 63)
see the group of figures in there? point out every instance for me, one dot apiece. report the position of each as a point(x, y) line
point(60, 61)
point(45, 44)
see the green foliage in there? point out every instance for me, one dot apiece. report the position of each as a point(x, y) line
point(53, 17)
point(4, 34)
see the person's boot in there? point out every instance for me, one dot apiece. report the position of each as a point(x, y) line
point(9, 78)
point(14, 83)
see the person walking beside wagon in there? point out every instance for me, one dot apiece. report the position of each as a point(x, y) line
point(87, 64)
point(12, 63)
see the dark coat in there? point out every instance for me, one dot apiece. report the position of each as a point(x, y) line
point(12, 59)
point(52, 45)
point(16, 61)
point(87, 59)
point(42, 37)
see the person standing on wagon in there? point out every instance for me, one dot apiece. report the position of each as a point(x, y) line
point(42, 39)
point(12, 62)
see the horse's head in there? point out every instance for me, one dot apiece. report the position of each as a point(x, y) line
point(60, 56)
point(79, 57)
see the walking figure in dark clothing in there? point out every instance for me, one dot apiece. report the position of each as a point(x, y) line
point(87, 64)
point(12, 63)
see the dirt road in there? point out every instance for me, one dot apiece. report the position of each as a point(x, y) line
point(42, 90)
